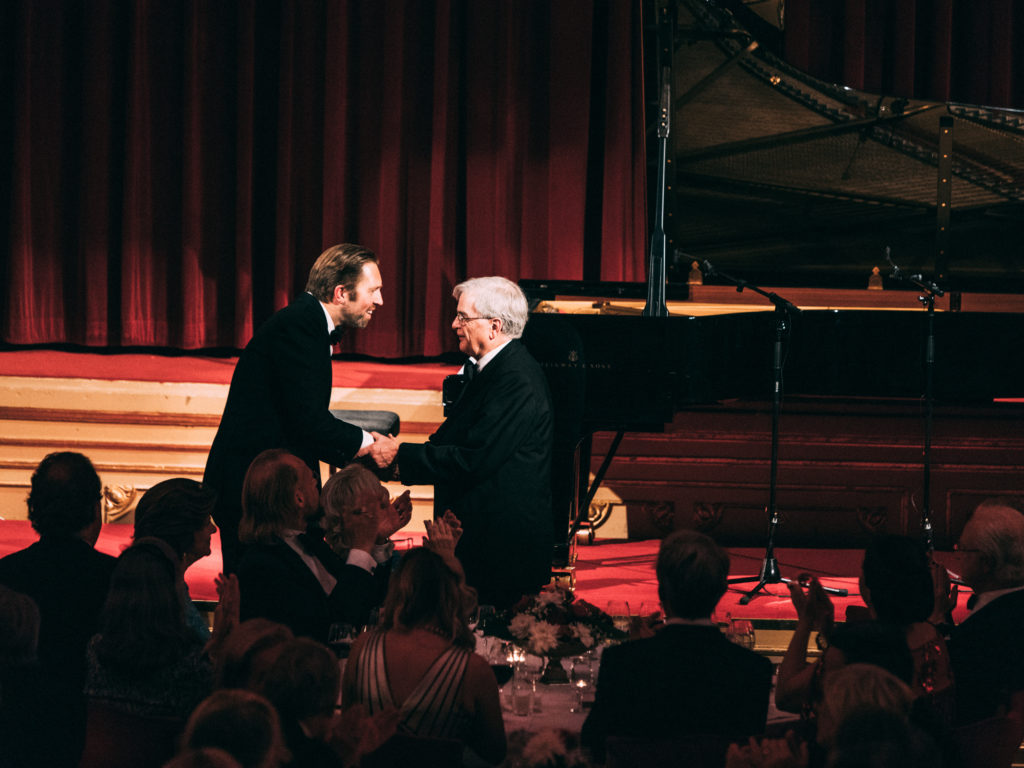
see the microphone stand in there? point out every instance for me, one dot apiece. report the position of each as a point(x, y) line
point(656, 305)
point(769, 573)
point(929, 292)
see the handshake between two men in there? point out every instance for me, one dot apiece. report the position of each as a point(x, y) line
point(382, 452)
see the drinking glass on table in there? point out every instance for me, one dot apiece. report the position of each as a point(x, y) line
point(741, 632)
point(532, 669)
point(340, 637)
point(581, 678)
point(619, 611)
point(499, 656)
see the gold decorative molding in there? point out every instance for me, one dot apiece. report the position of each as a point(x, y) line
point(119, 502)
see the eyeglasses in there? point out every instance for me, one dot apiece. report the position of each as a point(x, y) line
point(461, 319)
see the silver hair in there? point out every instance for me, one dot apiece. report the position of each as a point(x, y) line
point(999, 539)
point(342, 493)
point(500, 298)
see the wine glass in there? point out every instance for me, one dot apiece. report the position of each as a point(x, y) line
point(533, 667)
point(500, 658)
point(340, 637)
point(648, 616)
point(619, 611)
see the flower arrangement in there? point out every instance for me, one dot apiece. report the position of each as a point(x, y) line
point(553, 623)
point(553, 749)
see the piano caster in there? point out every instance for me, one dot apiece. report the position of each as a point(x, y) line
point(564, 578)
point(585, 534)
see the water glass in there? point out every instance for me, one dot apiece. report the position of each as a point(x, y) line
point(522, 696)
point(581, 678)
point(741, 632)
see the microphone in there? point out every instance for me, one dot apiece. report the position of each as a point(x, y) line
point(895, 274)
point(709, 268)
point(666, 103)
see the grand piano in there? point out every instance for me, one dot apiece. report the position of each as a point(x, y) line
point(847, 354)
point(801, 185)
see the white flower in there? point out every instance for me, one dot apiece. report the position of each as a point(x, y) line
point(550, 597)
point(543, 637)
point(544, 748)
point(521, 625)
point(586, 637)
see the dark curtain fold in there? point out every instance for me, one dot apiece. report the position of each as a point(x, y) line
point(175, 167)
point(968, 51)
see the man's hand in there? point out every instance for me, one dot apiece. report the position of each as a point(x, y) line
point(382, 450)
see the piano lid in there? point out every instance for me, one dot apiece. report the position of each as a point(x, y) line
point(786, 180)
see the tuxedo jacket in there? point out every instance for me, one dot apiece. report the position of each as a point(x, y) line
point(68, 579)
point(279, 398)
point(686, 680)
point(275, 583)
point(490, 463)
point(985, 652)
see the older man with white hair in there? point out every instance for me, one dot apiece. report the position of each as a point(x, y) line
point(490, 461)
point(985, 649)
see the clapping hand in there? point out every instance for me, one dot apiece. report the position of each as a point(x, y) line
point(362, 525)
point(453, 523)
point(442, 536)
point(813, 606)
point(397, 515)
point(225, 616)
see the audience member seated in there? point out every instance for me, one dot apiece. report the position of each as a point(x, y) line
point(303, 684)
point(985, 648)
point(688, 679)
point(898, 588)
point(65, 576)
point(854, 695)
point(147, 669)
point(346, 497)
point(31, 733)
point(241, 723)
point(420, 660)
point(178, 512)
point(248, 652)
point(800, 683)
point(288, 575)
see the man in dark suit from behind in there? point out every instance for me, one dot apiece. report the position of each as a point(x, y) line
point(281, 389)
point(490, 461)
point(289, 575)
point(688, 679)
point(985, 648)
point(65, 575)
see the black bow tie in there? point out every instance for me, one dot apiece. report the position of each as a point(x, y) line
point(335, 336)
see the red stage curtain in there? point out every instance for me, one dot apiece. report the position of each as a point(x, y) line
point(966, 51)
point(176, 166)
